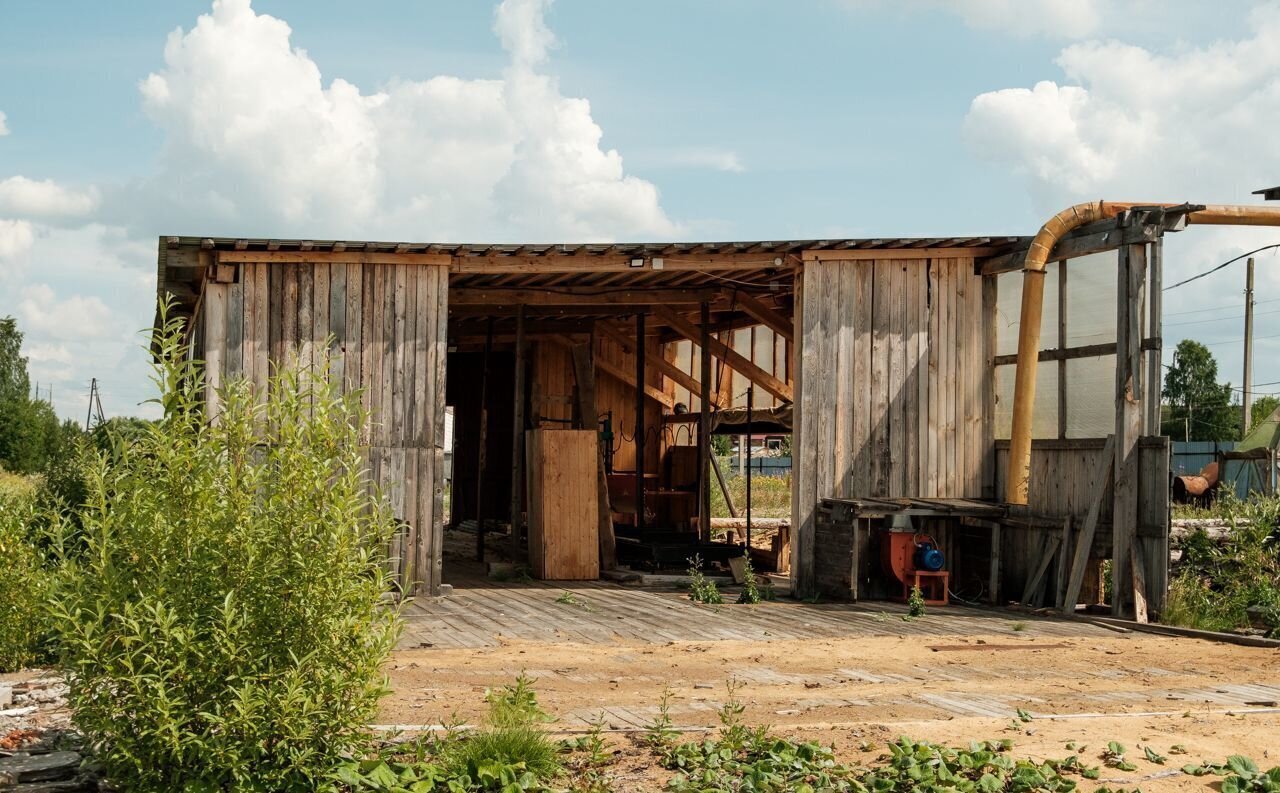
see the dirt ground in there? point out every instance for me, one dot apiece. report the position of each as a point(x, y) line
point(1141, 690)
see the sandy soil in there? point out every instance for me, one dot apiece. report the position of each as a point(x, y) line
point(1143, 690)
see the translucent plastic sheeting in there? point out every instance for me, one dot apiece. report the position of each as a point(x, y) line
point(1044, 420)
point(1009, 310)
point(1091, 404)
point(1091, 301)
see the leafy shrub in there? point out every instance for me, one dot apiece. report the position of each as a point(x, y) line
point(1220, 582)
point(24, 583)
point(228, 626)
point(700, 589)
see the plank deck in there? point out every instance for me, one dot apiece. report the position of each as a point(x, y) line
point(486, 613)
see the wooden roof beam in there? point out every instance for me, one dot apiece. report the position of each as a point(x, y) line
point(621, 374)
point(667, 368)
point(570, 296)
point(735, 360)
point(769, 317)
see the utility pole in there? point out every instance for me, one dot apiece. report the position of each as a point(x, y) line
point(1248, 348)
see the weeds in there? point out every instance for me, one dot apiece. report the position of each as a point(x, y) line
point(1018, 626)
point(660, 732)
point(1220, 582)
point(700, 589)
point(915, 602)
point(751, 590)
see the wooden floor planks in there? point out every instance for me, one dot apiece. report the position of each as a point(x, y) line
point(485, 613)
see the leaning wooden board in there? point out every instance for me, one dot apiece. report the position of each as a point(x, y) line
point(563, 519)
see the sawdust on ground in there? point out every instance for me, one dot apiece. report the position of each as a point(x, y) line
point(1141, 690)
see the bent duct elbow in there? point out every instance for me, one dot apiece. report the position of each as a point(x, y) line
point(1058, 226)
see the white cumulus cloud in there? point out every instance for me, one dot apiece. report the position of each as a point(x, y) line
point(1065, 19)
point(258, 142)
point(1130, 123)
point(16, 238)
point(45, 199)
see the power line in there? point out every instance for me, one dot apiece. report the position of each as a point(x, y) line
point(1217, 308)
point(1220, 319)
point(1213, 270)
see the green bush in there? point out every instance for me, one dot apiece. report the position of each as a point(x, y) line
point(1219, 582)
point(24, 582)
point(228, 623)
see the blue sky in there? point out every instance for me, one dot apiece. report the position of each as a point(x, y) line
point(715, 119)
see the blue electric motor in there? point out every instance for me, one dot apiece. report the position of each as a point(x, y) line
point(928, 557)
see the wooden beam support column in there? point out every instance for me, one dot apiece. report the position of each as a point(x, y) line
point(704, 429)
point(517, 439)
point(640, 424)
point(1128, 401)
point(584, 376)
point(735, 360)
point(482, 433)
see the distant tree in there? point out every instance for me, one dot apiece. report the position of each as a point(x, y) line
point(1200, 407)
point(1262, 408)
point(31, 437)
point(14, 383)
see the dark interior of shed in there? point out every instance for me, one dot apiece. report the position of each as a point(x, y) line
point(554, 352)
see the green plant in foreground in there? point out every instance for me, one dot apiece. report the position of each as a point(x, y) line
point(751, 587)
point(660, 731)
point(700, 589)
point(24, 584)
point(227, 624)
point(509, 754)
point(915, 602)
point(1243, 776)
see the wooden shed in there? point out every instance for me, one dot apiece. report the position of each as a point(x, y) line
point(886, 356)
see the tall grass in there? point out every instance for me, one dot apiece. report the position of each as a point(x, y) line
point(1221, 581)
point(770, 496)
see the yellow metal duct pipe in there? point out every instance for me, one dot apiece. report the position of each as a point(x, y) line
point(1058, 226)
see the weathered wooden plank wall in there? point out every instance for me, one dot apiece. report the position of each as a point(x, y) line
point(385, 326)
point(893, 386)
point(1064, 478)
point(552, 400)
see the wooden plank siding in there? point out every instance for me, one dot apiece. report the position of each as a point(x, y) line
point(892, 387)
point(384, 331)
point(1064, 478)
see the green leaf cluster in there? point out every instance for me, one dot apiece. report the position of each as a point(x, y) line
point(227, 619)
point(700, 589)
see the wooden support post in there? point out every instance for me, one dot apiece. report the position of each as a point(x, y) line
point(517, 439)
point(1031, 595)
point(724, 488)
point(1084, 540)
point(704, 430)
point(1154, 343)
point(483, 440)
point(640, 423)
point(584, 377)
point(1138, 573)
point(994, 583)
point(1128, 401)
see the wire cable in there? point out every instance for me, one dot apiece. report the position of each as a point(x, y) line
point(1213, 270)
